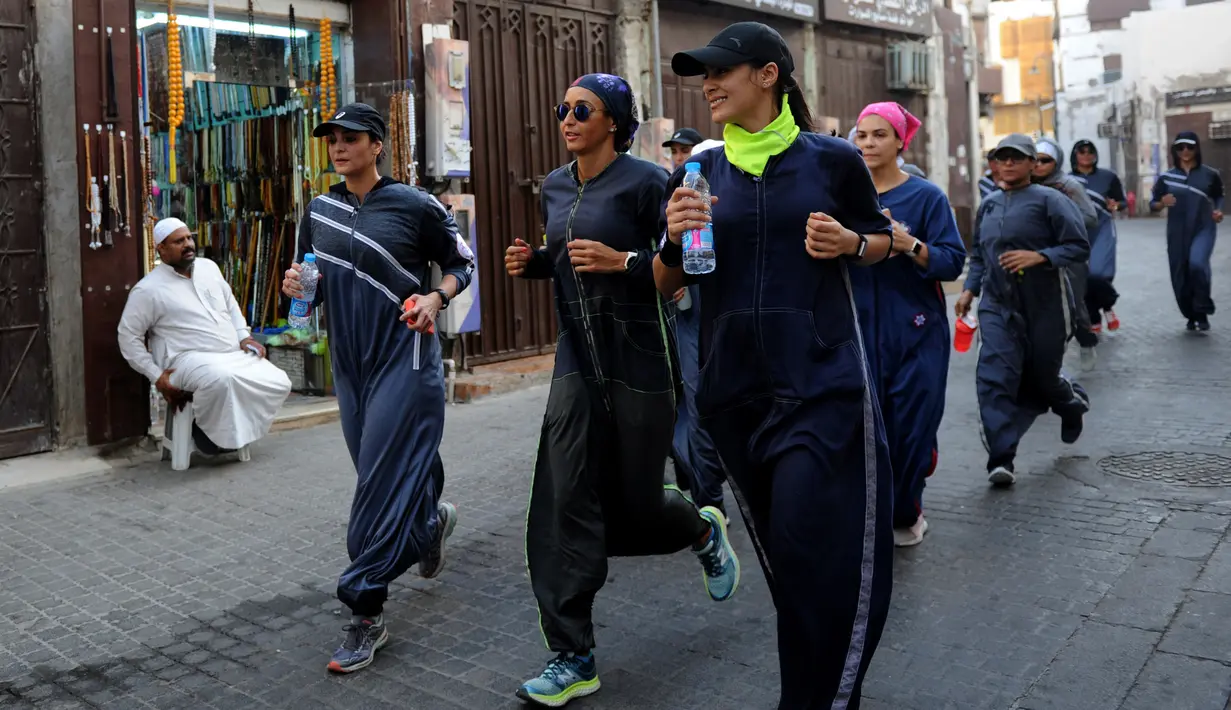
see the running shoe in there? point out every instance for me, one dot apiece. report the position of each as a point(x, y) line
point(1096, 328)
point(1071, 424)
point(1203, 323)
point(1192, 325)
point(1113, 321)
point(433, 562)
point(1001, 476)
point(566, 677)
point(1088, 358)
point(909, 537)
point(364, 638)
point(718, 559)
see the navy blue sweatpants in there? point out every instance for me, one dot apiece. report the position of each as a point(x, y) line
point(815, 486)
point(393, 425)
point(693, 451)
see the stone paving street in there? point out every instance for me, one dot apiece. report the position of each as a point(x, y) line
point(1087, 587)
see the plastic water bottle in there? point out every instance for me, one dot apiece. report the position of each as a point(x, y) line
point(301, 308)
point(699, 243)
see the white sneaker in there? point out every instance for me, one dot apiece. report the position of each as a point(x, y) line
point(1001, 476)
point(909, 537)
point(1088, 356)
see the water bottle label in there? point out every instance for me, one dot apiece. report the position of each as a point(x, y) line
point(701, 238)
point(300, 308)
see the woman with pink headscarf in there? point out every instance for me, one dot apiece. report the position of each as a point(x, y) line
point(902, 310)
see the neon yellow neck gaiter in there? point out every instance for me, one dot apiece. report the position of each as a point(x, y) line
point(750, 152)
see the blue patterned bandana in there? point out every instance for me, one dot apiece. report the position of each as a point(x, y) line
point(617, 97)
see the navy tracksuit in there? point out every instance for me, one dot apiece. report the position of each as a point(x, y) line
point(785, 394)
point(599, 486)
point(1101, 186)
point(906, 327)
point(1024, 318)
point(987, 185)
point(1078, 272)
point(696, 459)
point(389, 380)
point(1191, 231)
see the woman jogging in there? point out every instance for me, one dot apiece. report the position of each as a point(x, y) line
point(1193, 194)
point(903, 313)
point(784, 389)
point(374, 238)
point(598, 487)
point(1105, 191)
point(1026, 238)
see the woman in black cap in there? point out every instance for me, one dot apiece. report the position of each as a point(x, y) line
point(784, 389)
point(375, 240)
point(599, 488)
point(1193, 194)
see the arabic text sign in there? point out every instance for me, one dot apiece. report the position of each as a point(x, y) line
point(911, 16)
point(1197, 97)
point(798, 9)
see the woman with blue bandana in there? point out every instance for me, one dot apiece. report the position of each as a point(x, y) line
point(599, 481)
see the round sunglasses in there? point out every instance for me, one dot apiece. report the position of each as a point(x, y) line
point(581, 112)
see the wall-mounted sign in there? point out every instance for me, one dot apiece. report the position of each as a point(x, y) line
point(797, 9)
point(1198, 97)
point(909, 16)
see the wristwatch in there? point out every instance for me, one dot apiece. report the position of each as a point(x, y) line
point(916, 248)
point(630, 259)
point(863, 245)
point(444, 298)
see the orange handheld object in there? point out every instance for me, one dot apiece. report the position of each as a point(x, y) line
point(407, 305)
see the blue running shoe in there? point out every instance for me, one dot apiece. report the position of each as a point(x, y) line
point(568, 676)
point(363, 639)
point(433, 562)
point(718, 558)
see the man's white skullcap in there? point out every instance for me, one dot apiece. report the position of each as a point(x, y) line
point(166, 228)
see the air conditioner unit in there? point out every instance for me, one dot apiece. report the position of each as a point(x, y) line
point(908, 66)
point(1220, 130)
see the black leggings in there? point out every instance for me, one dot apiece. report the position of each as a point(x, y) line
point(1100, 296)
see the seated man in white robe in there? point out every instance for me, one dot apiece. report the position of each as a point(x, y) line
point(199, 346)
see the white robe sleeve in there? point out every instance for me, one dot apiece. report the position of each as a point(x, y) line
point(136, 321)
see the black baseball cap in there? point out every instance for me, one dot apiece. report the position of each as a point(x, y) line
point(1016, 143)
point(353, 117)
point(740, 43)
point(683, 136)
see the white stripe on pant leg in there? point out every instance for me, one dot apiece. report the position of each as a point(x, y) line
point(859, 630)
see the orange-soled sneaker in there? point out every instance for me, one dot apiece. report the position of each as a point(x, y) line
point(1113, 321)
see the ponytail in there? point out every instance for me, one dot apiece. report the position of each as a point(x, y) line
point(798, 105)
point(795, 100)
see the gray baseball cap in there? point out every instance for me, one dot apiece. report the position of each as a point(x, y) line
point(1016, 143)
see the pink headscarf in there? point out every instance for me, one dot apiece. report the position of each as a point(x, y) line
point(905, 124)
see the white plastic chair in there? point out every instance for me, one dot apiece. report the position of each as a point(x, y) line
point(177, 441)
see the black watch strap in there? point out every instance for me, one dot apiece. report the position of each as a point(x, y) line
point(444, 298)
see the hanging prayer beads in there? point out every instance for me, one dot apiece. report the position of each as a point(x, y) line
point(175, 85)
point(328, 79)
point(93, 200)
point(126, 211)
point(294, 45)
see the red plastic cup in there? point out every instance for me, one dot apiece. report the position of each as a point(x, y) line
point(964, 333)
point(409, 304)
